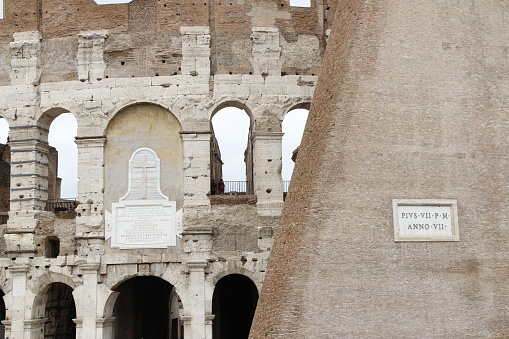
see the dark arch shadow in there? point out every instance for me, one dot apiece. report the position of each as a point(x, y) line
point(60, 310)
point(148, 308)
point(233, 304)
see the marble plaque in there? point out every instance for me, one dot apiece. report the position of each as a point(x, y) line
point(425, 220)
point(144, 217)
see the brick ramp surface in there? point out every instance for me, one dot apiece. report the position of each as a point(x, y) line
point(411, 104)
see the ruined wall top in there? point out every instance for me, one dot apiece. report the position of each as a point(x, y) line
point(142, 38)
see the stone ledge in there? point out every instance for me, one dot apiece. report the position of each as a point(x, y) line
point(233, 199)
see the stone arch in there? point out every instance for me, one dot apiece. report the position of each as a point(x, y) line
point(143, 125)
point(46, 118)
point(233, 305)
point(121, 107)
point(235, 270)
point(229, 102)
point(44, 282)
point(300, 105)
point(211, 283)
point(55, 300)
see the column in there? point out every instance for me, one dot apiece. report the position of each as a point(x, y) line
point(89, 218)
point(196, 174)
point(195, 325)
point(105, 328)
point(267, 165)
point(29, 187)
point(85, 297)
point(15, 303)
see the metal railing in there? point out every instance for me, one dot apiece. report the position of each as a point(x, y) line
point(61, 205)
point(238, 187)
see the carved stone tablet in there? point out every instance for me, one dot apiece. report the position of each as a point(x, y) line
point(425, 220)
point(144, 217)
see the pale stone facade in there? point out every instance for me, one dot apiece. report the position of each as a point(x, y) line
point(137, 67)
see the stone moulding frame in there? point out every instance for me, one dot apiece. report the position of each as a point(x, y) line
point(425, 220)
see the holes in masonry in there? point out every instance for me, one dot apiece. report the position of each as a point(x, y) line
point(122, 63)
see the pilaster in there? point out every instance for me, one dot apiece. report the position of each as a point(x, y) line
point(90, 57)
point(195, 50)
point(105, 328)
point(89, 214)
point(196, 175)
point(29, 187)
point(267, 164)
point(18, 327)
point(266, 52)
point(197, 328)
point(86, 297)
point(25, 53)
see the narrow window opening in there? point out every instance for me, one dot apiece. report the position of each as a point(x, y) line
point(61, 136)
point(52, 247)
point(231, 154)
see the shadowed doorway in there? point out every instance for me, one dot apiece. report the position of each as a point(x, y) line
point(147, 308)
point(233, 304)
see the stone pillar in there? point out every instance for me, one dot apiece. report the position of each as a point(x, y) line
point(85, 297)
point(34, 329)
point(16, 302)
point(89, 214)
point(267, 164)
point(196, 308)
point(90, 56)
point(196, 174)
point(266, 52)
point(29, 187)
point(25, 51)
point(209, 318)
point(105, 328)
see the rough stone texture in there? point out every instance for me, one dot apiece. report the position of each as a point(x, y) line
point(150, 73)
point(411, 103)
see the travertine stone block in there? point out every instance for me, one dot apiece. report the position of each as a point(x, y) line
point(90, 61)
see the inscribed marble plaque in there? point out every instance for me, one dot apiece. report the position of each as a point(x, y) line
point(425, 220)
point(144, 217)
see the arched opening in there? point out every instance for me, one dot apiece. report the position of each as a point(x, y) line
point(149, 308)
point(63, 159)
point(60, 310)
point(143, 126)
point(233, 304)
point(293, 126)
point(231, 155)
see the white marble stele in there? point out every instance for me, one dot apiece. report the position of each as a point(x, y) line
point(144, 217)
point(425, 220)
